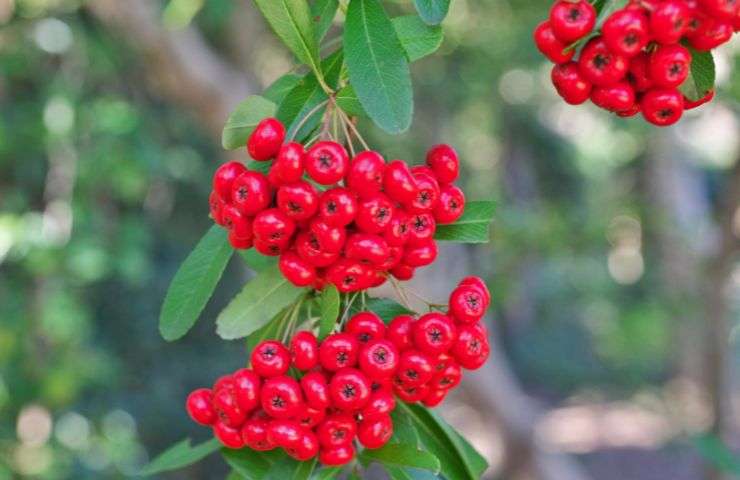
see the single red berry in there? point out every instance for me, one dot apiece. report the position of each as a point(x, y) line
point(299, 200)
point(601, 66)
point(200, 406)
point(379, 359)
point(338, 207)
point(306, 448)
point(309, 417)
point(374, 214)
point(270, 358)
point(337, 456)
point(350, 275)
point(337, 351)
point(427, 192)
point(669, 21)
point(395, 254)
point(378, 384)
point(272, 226)
point(281, 397)
point(639, 73)
point(626, 32)
point(549, 45)
point(216, 204)
point(375, 432)
point(254, 435)
point(367, 248)
point(271, 249)
point(423, 226)
point(398, 182)
point(247, 385)
point(711, 34)
point(421, 254)
point(265, 141)
point(381, 403)
point(284, 433)
point(691, 104)
point(571, 85)
point(615, 98)
point(288, 166)
point(326, 162)
point(230, 437)
point(471, 350)
point(670, 65)
point(467, 304)
point(224, 178)
point(237, 222)
point(434, 333)
point(448, 378)
point(480, 285)
point(630, 112)
point(451, 205)
point(662, 107)
point(251, 193)
point(315, 390)
point(304, 348)
point(330, 238)
point(444, 162)
point(224, 381)
point(411, 394)
point(227, 408)
point(296, 270)
point(338, 429)
point(240, 243)
point(365, 175)
point(365, 326)
point(309, 249)
point(721, 9)
point(572, 20)
point(349, 389)
point(414, 368)
point(434, 397)
point(403, 272)
point(399, 332)
point(398, 231)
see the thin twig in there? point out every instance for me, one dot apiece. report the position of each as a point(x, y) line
point(351, 125)
point(310, 114)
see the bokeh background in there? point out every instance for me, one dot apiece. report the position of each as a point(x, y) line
point(613, 262)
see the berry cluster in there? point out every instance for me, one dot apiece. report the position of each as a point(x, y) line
point(637, 61)
point(343, 388)
point(332, 219)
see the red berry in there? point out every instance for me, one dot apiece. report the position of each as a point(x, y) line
point(365, 326)
point(304, 348)
point(399, 332)
point(375, 432)
point(420, 255)
point(270, 359)
point(427, 193)
point(434, 333)
point(337, 430)
point(349, 276)
point(721, 9)
point(365, 175)
point(398, 231)
point(572, 20)
point(284, 433)
point(296, 270)
point(316, 390)
point(480, 285)
point(423, 226)
point(309, 249)
point(571, 85)
point(626, 32)
point(549, 45)
point(367, 248)
point(266, 139)
point(381, 402)
point(200, 406)
point(281, 397)
point(444, 162)
point(669, 66)
point(288, 166)
point(272, 226)
point(216, 204)
point(711, 34)
point(309, 417)
point(398, 182)
point(250, 192)
point(434, 397)
point(247, 386)
point(630, 112)
point(669, 21)
point(451, 205)
point(691, 104)
point(230, 437)
point(414, 368)
point(306, 448)
point(601, 66)
point(374, 214)
point(271, 249)
point(299, 200)
point(411, 394)
point(379, 359)
point(236, 221)
point(227, 408)
point(326, 162)
point(254, 435)
point(403, 272)
point(615, 98)
point(224, 178)
point(467, 304)
point(349, 389)
point(639, 73)
point(471, 349)
point(448, 378)
point(329, 237)
point(337, 456)
point(338, 207)
point(240, 243)
point(662, 107)
point(338, 351)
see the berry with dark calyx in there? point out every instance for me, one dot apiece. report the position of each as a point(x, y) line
point(570, 84)
point(414, 368)
point(381, 402)
point(315, 390)
point(236, 221)
point(711, 34)
point(227, 408)
point(572, 20)
point(216, 204)
point(350, 275)
point(478, 283)
point(337, 430)
point(251, 193)
point(670, 65)
point(365, 175)
point(326, 162)
point(411, 394)
point(288, 165)
point(299, 200)
point(444, 162)
point(639, 73)
point(338, 207)
point(349, 389)
point(398, 231)
point(337, 456)
point(467, 304)
point(669, 21)
point(434, 333)
point(615, 98)
point(331, 238)
point(306, 448)
point(403, 272)
point(230, 437)
point(398, 182)
point(254, 435)
point(224, 178)
point(434, 397)
point(304, 349)
point(471, 350)
point(379, 358)
point(309, 249)
point(599, 65)
point(375, 432)
point(296, 270)
point(626, 32)
point(284, 433)
point(273, 226)
point(448, 378)
point(200, 406)
point(309, 417)
point(265, 141)
point(271, 249)
point(247, 385)
point(240, 243)
point(421, 254)
point(337, 351)
point(630, 112)
point(549, 45)
point(270, 359)
point(427, 192)
point(423, 226)
point(690, 104)
point(367, 248)
point(365, 326)
point(374, 214)
point(662, 107)
point(451, 205)
point(399, 332)
point(281, 397)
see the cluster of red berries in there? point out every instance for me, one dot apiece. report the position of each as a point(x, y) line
point(343, 388)
point(636, 62)
point(332, 219)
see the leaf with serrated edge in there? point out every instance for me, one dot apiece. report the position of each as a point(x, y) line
point(472, 227)
point(194, 283)
point(702, 75)
point(243, 119)
point(179, 456)
point(322, 14)
point(329, 310)
point(401, 455)
point(417, 38)
point(260, 300)
point(432, 11)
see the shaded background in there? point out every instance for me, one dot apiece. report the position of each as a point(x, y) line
point(613, 262)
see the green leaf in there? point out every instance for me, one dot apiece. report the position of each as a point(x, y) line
point(194, 283)
point(417, 38)
point(325, 473)
point(234, 475)
point(701, 76)
point(401, 455)
point(329, 310)
point(256, 261)
point(322, 14)
point(291, 21)
point(347, 100)
point(289, 469)
point(260, 300)
point(271, 331)
point(398, 473)
point(243, 119)
point(377, 66)
point(604, 10)
point(280, 87)
point(404, 430)
point(716, 452)
point(472, 227)
point(387, 309)
point(251, 464)
point(432, 11)
point(180, 455)
point(457, 458)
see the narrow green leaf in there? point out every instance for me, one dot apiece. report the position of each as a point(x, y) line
point(271, 331)
point(605, 9)
point(289, 469)
point(404, 430)
point(256, 261)
point(251, 464)
point(398, 473)
point(377, 66)
point(387, 309)
point(243, 119)
point(432, 11)
point(472, 458)
point(325, 473)
point(180, 455)
point(291, 21)
point(472, 227)
point(401, 455)
point(260, 300)
point(277, 91)
point(234, 475)
point(347, 100)
point(194, 283)
point(329, 310)
point(322, 14)
point(417, 38)
point(701, 76)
